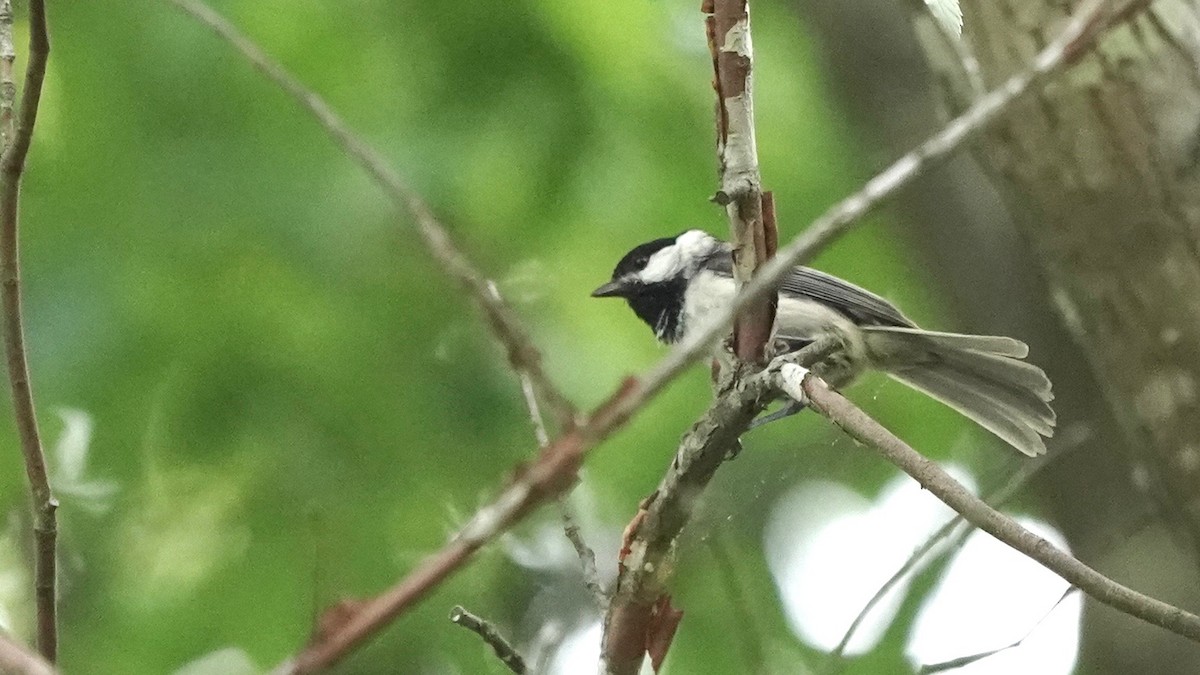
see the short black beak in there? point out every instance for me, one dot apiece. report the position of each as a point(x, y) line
point(613, 289)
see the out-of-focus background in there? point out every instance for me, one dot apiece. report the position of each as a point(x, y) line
point(259, 395)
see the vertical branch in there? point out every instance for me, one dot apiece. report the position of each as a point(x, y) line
point(12, 165)
point(8, 88)
point(727, 23)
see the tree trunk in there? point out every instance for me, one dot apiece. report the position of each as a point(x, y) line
point(1108, 157)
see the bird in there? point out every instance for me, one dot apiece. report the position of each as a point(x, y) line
point(681, 284)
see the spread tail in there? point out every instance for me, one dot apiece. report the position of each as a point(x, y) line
point(980, 376)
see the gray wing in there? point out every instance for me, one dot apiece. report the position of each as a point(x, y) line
point(861, 305)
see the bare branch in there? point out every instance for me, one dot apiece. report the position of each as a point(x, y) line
point(727, 24)
point(961, 661)
point(12, 167)
point(932, 477)
point(502, 319)
point(16, 659)
point(507, 654)
point(587, 557)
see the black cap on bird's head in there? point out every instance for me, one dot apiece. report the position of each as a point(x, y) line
point(653, 278)
point(626, 275)
point(655, 263)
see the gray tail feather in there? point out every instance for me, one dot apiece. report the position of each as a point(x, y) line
point(979, 376)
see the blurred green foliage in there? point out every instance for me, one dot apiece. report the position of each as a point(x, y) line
point(295, 402)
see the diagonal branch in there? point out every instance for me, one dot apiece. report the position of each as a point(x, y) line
point(955, 664)
point(12, 167)
point(501, 318)
point(504, 650)
point(932, 477)
point(587, 557)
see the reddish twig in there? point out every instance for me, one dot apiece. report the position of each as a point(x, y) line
point(548, 476)
point(727, 24)
point(12, 166)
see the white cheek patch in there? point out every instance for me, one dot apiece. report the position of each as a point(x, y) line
point(663, 265)
point(694, 244)
point(672, 261)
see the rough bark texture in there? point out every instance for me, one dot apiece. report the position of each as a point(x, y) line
point(1109, 159)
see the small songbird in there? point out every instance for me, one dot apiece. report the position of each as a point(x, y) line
point(680, 284)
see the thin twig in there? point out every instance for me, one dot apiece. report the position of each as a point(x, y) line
point(16, 659)
point(587, 557)
point(933, 478)
point(961, 661)
point(507, 654)
point(522, 354)
point(12, 166)
point(555, 468)
point(920, 554)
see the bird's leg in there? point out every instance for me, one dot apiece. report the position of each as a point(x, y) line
point(790, 408)
point(825, 354)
